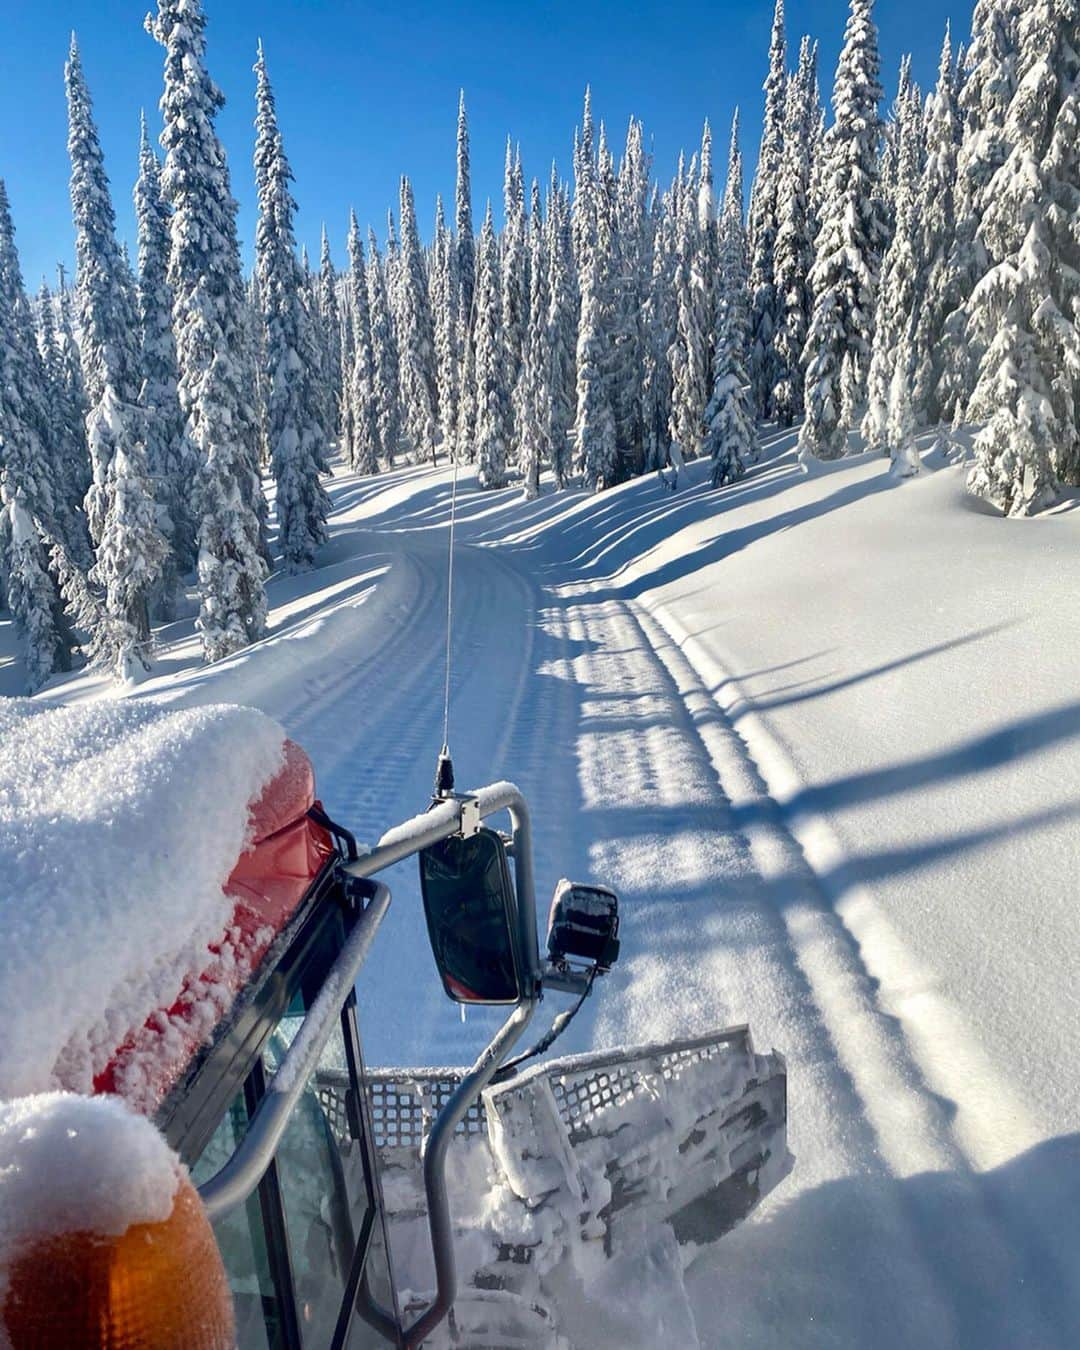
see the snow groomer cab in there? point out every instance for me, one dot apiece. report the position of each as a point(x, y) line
point(361, 1207)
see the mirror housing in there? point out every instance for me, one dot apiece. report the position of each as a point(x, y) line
point(583, 925)
point(471, 911)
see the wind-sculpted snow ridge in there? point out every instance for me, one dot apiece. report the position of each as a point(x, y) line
point(120, 822)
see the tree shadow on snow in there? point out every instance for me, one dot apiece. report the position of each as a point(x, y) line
point(940, 1260)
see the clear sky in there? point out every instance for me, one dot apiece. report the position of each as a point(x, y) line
point(366, 92)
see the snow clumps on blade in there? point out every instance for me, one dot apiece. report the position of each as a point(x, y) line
point(120, 823)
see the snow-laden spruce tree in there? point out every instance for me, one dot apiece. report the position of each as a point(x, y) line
point(491, 395)
point(385, 350)
point(213, 347)
point(66, 421)
point(689, 355)
point(1026, 309)
point(984, 98)
point(170, 456)
point(634, 228)
point(329, 335)
point(561, 333)
point(29, 543)
point(534, 398)
point(445, 296)
point(130, 550)
point(594, 428)
point(794, 250)
point(513, 270)
point(583, 207)
point(903, 452)
point(730, 439)
point(296, 402)
point(659, 333)
point(74, 393)
point(463, 228)
point(365, 444)
point(766, 306)
point(416, 336)
point(900, 293)
point(848, 249)
point(941, 287)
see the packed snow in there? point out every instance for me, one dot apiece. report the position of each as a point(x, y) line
point(120, 822)
point(816, 729)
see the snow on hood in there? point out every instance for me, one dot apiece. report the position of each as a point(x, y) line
point(120, 823)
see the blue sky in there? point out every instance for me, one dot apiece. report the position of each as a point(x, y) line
point(366, 92)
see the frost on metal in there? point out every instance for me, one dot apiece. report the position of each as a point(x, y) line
point(576, 1168)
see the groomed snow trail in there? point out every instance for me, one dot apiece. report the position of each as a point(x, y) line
point(637, 777)
point(929, 1199)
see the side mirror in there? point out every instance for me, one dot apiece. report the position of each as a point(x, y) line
point(471, 912)
point(583, 925)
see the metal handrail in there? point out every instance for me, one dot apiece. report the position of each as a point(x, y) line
point(237, 1179)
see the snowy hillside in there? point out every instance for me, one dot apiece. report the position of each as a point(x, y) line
point(819, 732)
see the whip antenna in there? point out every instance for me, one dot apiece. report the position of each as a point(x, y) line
point(444, 767)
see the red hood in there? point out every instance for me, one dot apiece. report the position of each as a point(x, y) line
point(268, 883)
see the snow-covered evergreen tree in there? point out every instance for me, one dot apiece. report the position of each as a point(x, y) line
point(730, 439)
point(903, 452)
point(444, 293)
point(583, 210)
point(129, 548)
point(213, 347)
point(492, 410)
point(365, 445)
point(75, 392)
point(296, 401)
point(170, 457)
point(941, 289)
point(984, 98)
point(1026, 309)
point(848, 248)
point(900, 293)
point(766, 307)
point(329, 336)
point(690, 355)
point(634, 230)
point(794, 251)
point(659, 334)
point(561, 332)
point(512, 263)
point(463, 228)
point(66, 430)
point(385, 351)
point(416, 337)
point(30, 546)
point(534, 400)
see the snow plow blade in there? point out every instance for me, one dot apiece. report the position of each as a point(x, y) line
point(575, 1162)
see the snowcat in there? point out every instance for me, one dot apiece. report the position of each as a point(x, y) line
point(358, 1206)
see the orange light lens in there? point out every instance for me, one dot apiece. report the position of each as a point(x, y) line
point(160, 1286)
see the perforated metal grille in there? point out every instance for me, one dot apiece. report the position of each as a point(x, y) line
point(405, 1102)
point(583, 1092)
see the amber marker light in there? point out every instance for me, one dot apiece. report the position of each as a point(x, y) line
point(158, 1286)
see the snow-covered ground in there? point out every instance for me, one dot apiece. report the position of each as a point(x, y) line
point(820, 734)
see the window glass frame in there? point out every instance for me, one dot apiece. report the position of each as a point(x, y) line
point(233, 1064)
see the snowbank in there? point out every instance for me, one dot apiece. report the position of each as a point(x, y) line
point(119, 825)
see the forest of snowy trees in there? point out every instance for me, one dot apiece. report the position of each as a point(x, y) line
point(894, 271)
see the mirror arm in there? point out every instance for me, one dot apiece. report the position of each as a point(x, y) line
point(564, 979)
